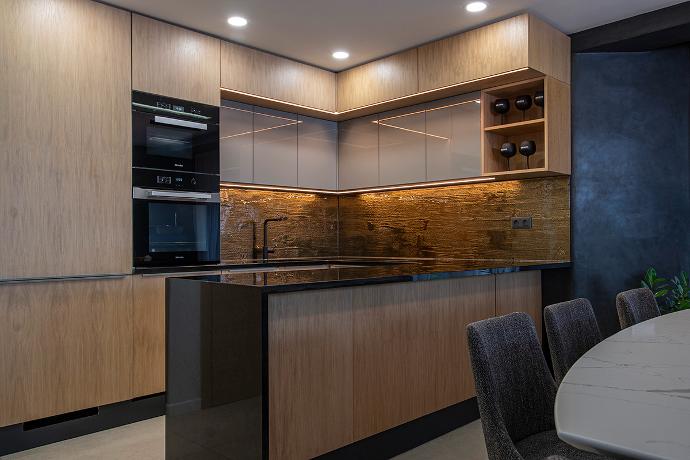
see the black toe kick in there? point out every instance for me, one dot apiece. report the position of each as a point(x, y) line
point(35, 433)
point(408, 436)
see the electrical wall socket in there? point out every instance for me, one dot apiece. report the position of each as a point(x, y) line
point(521, 223)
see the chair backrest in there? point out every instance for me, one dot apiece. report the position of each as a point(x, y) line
point(571, 329)
point(515, 390)
point(635, 306)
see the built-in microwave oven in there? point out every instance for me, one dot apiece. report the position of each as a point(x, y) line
point(176, 218)
point(174, 135)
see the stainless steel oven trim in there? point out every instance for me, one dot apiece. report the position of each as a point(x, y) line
point(173, 195)
point(182, 123)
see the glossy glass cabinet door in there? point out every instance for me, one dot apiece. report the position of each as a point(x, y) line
point(236, 142)
point(453, 138)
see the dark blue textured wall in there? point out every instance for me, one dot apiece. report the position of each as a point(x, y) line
point(630, 186)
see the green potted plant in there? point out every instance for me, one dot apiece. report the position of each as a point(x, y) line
point(671, 295)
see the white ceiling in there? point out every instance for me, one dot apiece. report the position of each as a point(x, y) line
point(310, 30)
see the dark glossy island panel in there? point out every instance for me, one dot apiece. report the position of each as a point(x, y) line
point(214, 371)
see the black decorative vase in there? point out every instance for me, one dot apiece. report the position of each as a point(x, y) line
point(527, 149)
point(523, 103)
point(539, 101)
point(501, 107)
point(508, 151)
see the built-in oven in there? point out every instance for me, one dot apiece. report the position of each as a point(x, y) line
point(174, 135)
point(176, 218)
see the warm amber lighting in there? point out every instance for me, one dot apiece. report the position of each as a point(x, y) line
point(383, 188)
point(401, 98)
point(262, 129)
point(411, 130)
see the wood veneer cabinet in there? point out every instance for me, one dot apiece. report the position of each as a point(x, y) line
point(347, 363)
point(148, 330)
point(175, 62)
point(510, 46)
point(248, 72)
point(64, 346)
point(65, 184)
point(381, 80)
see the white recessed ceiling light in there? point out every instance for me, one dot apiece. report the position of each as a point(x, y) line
point(237, 21)
point(475, 7)
point(341, 55)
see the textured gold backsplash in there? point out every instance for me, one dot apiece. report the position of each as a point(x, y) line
point(310, 231)
point(462, 221)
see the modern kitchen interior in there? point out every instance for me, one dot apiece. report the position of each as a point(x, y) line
point(344, 230)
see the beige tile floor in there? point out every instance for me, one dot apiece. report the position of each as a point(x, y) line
point(145, 441)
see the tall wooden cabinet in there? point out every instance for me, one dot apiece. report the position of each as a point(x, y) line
point(64, 346)
point(65, 182)
point(173, 61)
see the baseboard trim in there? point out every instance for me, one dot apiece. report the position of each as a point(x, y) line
point(36, 433)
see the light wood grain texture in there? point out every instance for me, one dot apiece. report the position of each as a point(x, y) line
point(148, 329)
point(410, 350)
point(549, 50)
point(310, 372)
point(489, 50)
point(548, 127)
point(65, 184)
point(64, 346)
point(520, 292)
point(175, 62)
point(557, 127)
point(378, 81)
point(263, 74)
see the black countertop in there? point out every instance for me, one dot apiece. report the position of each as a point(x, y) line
point(306, 274)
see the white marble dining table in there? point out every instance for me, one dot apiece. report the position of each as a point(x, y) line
point(629, 396)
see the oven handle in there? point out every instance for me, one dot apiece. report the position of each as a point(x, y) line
point(171, 195)
point(177, 122)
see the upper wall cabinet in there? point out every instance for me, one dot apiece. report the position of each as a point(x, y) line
point(382, 80)
point(176, 62)
point(66, 150)
point(512, 45)
point(256, 73)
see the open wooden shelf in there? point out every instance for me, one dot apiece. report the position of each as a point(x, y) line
point(548, 127)
point(519, 127)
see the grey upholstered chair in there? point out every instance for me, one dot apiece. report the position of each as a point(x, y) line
point(635, 306)
point(515, 391)
point(571, 329)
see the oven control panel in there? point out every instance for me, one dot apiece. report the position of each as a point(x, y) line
point(169, 180)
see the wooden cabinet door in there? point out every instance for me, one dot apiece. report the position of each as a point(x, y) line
point(490, 50)
point(254, 72)
point(410, 348)
point(358, 153)
point(378, 81)
point(64, 346)
point(317, 153)
point(148, 329)
point(65, 183)
point(520, 292)
point(309, 372)
point(175, 62)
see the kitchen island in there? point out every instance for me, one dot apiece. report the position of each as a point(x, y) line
point(328, 359)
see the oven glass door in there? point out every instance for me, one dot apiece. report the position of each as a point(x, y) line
point(170, 233)
point(176, 144)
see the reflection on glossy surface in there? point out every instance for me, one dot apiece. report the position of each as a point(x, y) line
point(214, 374)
